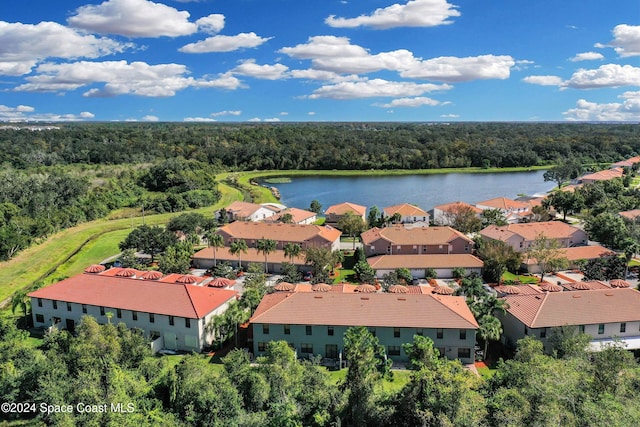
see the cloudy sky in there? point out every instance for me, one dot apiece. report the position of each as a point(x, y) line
point(320, 60)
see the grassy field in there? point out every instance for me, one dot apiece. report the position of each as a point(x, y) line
point(399, 380)
point(522, 279)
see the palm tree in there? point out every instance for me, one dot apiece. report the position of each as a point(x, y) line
point(215, 241)
point(236, 248)
point(292, 250)
point(266, 246)
point(22, 301)
point(630, 247)
point(490, 329)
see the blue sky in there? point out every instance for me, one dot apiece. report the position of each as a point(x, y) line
point(322, 60)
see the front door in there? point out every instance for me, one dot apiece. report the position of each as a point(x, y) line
point(170, 341)
point(71, 325)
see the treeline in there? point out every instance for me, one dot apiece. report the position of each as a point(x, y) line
point(75, 379)
point(37, 202)
point(357, 146)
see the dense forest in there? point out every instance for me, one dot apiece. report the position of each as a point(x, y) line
point(322, 146)
point(104, 375)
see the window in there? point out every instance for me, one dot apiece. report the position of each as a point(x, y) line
point(265, 329)
point(396, 332)
point(39, 318)
point(68, 306)
point(601, 328)
point(543, 333)
point(172, 320)
point(440, 333)
point(388, 249)
point(463, 334)
point(152, 318)
point(393, 350)
point(55, 305)
point(118, 313)
point(308, 330)
point(261, 346)
point(581, 329)
point(101, 311)
point(623, 327)
point(331, 351)
point(287, 329)
point(84, 308)
point(330, 331)
point(419, 332)
point(39, 302)
point(134, 315)
point(466, 248)
point(187, 322)
point(306, 348)
point(464, 353)
point(526, 330)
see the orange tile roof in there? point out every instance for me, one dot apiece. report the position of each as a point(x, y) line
point(452, 207)
point(627, 163)
point(400, 235)
point(280, 232)
point(575, 307)
point(252, 255)
point(387, 262)
point(603, 175)
point(343, 208)
point(375, 310)
point(298, 215)
point(171, 299)
point(579, 252)
point(631, 215)
point(404, 209)
point(530, 231)
point(504, 203)
point(244, 209)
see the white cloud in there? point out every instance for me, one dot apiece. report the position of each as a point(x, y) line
point(226, 113)
point(272, 119)
point(225, 43)
point(375, 88)
point(150, 118)
point(87, 115)
point(629, 110)
point(133, 18)
point(415, 13)
point(626, 40)
point(284, 113)
point(266, 72)
point(311, 113)
point(543, 80)
point(608, 75)
point(410, 102)
point(222, 81)
point(450, 116)
point(198, 119)
point(211, 24)
point(23, 113)
point(586, 56)
point(25, 109)
point(453, 69)
point(22, 46)
point(338, 55)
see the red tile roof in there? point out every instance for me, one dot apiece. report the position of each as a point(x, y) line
point(575, 307)
point(252, 255)
point(375, 310)
point(171, 299)
point(604, 175)
point(297, 215)
point(404, 209)
point(244, 209)
point(627, 163)
point(343, 208)
point(400, 235)
point(630, 215)
point(454, 206)
point(530, 231)
point(390, 262)
point(504, 203)
point(279, 232)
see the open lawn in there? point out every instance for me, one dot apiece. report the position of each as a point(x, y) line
point(344, 275)
point(520, 278)
point(399, 380)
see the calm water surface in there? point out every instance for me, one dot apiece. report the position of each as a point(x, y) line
point(425, 191)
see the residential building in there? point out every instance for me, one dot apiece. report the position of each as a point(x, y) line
point(604, 314)
point(315, 323)
point(443, 264)
point(399, 240)
point(408, 213)
point(514, 211)
point(304, 235)
point(575, 255)
point(334, 213)
point(442, 214)
point(172, 315)
point(626, 163)
point(631, 215)
point(243, 211)
point(604, 175)
point(521, 236)
point(298, 216)
point(204, 258)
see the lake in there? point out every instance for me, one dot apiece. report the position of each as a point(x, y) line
point(425, 191)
